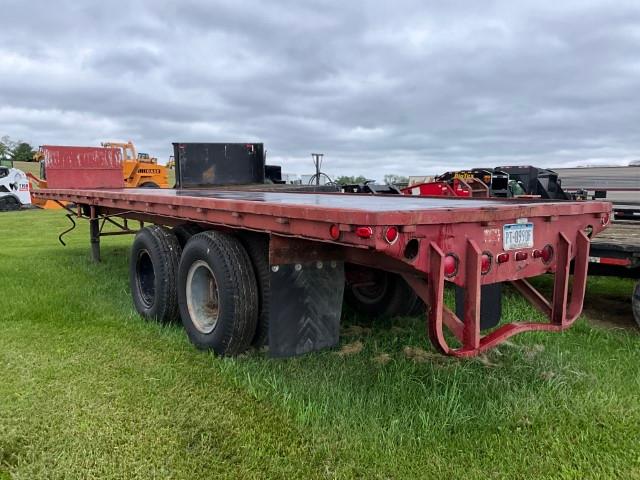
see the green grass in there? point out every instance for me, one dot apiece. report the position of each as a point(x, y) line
point(31, 167)
point(89, 390)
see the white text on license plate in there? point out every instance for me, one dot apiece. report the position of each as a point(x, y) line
point(517, 235)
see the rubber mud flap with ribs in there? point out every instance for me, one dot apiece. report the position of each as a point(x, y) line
point(305, 307)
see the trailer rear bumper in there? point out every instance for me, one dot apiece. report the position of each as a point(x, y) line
point(562, 310)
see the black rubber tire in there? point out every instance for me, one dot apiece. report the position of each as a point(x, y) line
point(257, 246)
point(9, 203)
point(390, 297)
point(635, 303)
point(419, 308)
point(237, 292)
point(153, 271)
point(185, 231)
point(149, 185)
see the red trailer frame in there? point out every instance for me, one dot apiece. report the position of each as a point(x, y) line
point(429, 241)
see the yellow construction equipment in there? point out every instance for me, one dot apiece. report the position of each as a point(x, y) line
point(140, 170)
point(37, 183)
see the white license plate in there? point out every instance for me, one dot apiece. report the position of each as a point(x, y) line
point(517, 235)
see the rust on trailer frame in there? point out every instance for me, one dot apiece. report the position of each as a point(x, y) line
point(303, 226)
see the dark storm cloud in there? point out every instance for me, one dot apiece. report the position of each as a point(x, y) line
point(405, 87)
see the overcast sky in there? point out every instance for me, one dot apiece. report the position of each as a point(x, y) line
point(380, 87)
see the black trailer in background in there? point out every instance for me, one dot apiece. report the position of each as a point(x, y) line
point(617, 251)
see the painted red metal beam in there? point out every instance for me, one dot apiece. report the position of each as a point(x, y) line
point(365, 209)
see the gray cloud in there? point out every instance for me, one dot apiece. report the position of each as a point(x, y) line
point(407, 87)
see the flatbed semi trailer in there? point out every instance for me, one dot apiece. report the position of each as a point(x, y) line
point(249, 266)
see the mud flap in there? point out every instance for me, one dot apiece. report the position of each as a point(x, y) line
point(305, 307)
point(490, 304)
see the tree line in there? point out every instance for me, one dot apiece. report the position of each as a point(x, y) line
point(17, 151)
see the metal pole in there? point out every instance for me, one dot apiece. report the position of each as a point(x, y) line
point(94, 235)
point(317, 161)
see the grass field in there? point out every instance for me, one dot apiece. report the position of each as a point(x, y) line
point(89, 390)
point(28, 167)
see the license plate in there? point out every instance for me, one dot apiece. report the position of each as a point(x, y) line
point(517, 235)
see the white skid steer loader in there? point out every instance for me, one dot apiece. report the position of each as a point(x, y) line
point(14, 189)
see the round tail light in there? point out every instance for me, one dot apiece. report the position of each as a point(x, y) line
point(450, 265)
point(547, 253)
point(391, 235)
point(334, 231)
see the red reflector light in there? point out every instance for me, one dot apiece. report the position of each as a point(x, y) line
point(450, 265)
point(364, 232)
point(334, 231)
point(485, 263)
point(391, 235)
point(547, 253)
point(521, 256)
point(502, 257)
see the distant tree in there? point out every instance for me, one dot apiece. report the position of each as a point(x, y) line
point(347, 180)
point(392, 179)
point(6, 146)
point(22, 152)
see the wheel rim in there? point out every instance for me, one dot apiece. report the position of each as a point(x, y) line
point(202, 297)
point(145, 278)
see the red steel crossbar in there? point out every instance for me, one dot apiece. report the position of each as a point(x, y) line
point(467, 330)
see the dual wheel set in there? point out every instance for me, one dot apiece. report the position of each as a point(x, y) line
point(212, 281)
point(218, 284)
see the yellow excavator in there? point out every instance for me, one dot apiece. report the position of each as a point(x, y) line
point(139, 169)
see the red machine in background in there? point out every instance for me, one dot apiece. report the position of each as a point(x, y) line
point(502, 182)
point(479, 183)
